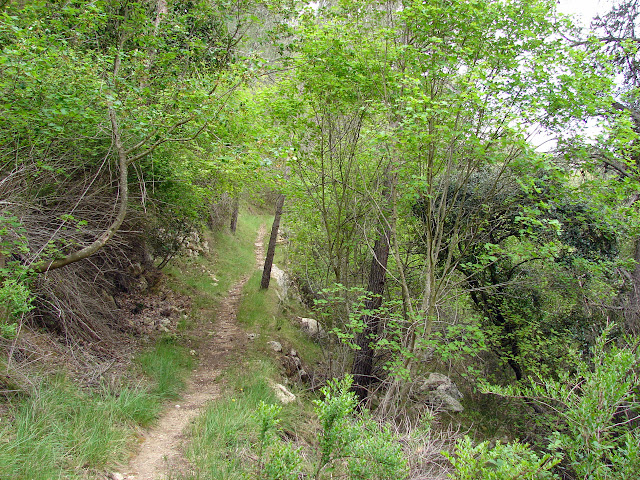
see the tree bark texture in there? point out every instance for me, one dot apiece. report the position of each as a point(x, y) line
point(632, 310)
point(271, 250)
point(234, 214)
point(363, 360)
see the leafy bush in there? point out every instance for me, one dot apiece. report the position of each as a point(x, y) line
point(591, 405)
point(501, 462)
point(15, 295)
point(350, 445)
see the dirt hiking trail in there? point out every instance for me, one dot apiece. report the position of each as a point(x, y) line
point(161, 451)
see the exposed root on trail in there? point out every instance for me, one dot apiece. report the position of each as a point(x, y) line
point(161, 449)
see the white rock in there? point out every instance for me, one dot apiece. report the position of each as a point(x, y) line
point(282, 279)
point(441, 392)
point(275, 346)
point(283, 395)
point(311, 326)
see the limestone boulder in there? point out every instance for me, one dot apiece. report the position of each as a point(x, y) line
point(283, 395)
point(440, 392)
point(311, 326)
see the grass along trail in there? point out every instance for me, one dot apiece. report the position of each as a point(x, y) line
point(160, 453)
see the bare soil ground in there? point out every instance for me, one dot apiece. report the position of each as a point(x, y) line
point(161, 450)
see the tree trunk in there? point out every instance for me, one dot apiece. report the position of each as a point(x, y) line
point(271, 250)
point(363, 361)
point(632, 310)
point(234, 214)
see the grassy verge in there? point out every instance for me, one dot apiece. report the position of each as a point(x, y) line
point(63, 431)
point(208, 279)
point(60, 430)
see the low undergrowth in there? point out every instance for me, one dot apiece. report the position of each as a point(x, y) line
point(60, 430)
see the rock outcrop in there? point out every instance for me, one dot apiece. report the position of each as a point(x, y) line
point(440, 392)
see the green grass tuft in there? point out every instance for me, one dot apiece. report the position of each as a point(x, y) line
point(167, 365)
point(61, 429)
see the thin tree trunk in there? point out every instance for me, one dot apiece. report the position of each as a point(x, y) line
point(632, 310)
point(234, 214)
point(363, 360)
point(271, 250)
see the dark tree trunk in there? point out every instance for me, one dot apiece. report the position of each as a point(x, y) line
point(632, 310)
point(234, 214)
point(271, 250)
point(363, 361)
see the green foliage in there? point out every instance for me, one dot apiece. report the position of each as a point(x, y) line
point(349, 444)
point(508, 461)
point(15, 295)
point(369, 450)
point(592, 406)
point(277, 460)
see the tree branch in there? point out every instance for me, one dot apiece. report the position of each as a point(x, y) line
point(123, 193)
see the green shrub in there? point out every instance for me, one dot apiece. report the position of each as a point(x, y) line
point(15, 295)
point(584, 419)
point(502, 462)
point(350, 445)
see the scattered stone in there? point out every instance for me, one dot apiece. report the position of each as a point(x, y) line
point(108, 299)
point(252, 336)
point(192, 352)
point(164, 324)
point(283, 395)
point(116, 476)
point(441, 392)
point(177, 406)
point(141, 284)
point(311, 326)
point(293, 353)
point(170, 311)
point(275, 346)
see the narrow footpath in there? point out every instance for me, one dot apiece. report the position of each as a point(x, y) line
point(161, 452)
